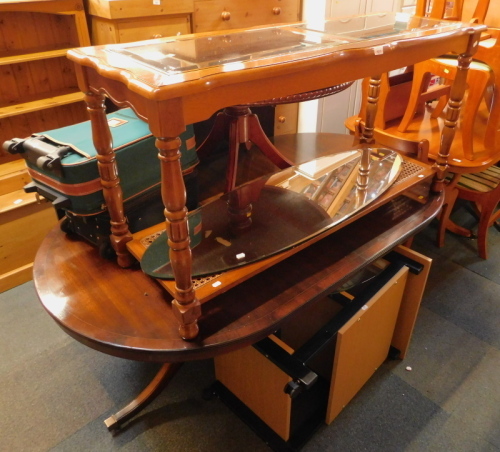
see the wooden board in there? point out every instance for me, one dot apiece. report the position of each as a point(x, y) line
point(363, 344)
point(24, 223)
point(259, 383)
point(410, 304)
point(105, 31)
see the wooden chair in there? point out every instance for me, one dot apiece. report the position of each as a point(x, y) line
point(473, 176)
point(445, 69)
point(480, 76)
point(483, 190)
point(398, 91)
point(439, 9)
point(451, 10)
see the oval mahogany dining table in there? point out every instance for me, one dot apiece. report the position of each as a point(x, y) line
point(125, 313)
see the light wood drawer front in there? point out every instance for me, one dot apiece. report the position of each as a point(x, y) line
point(122, 9)
point(285, 119)
point(129, 30)
point(221, 15)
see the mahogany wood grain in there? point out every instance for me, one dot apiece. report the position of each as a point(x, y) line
point(125, 313)
point(108, 171)
point(196, 95)
point(150, 392)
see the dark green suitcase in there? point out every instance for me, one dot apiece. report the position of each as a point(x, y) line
point(63, 166)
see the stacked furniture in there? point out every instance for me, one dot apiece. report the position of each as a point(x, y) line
point(210, 315)
point(39, 90)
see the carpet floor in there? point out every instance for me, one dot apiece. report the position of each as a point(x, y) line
point(56, 393)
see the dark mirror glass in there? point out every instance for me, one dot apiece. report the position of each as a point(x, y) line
point(276, 212)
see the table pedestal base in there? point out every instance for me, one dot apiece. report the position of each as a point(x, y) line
point(240, 126)
point(159, 382)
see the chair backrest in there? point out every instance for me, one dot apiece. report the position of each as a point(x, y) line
point(439, 9)
point(489, 52)
point(452, 9)
point(418, 150)
point(479, 14)
point(478, 132)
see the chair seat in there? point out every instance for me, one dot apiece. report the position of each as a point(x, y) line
point(426, 127)
point(483, 181)
point(451, 60)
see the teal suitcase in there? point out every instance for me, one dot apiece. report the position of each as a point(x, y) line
point(63, 166)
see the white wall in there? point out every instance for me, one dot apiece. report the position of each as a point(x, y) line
point(329, 114)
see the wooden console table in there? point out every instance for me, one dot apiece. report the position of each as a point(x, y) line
point(171, 82)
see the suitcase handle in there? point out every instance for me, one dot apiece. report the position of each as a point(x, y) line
point(45, 156)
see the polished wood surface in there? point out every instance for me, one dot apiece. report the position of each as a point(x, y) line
point(169, 104)
point(196, 102)
point(125, 313)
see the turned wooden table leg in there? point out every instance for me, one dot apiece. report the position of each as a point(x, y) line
point(161, 379)
point(452, 115)
point(108, 170)
point(186, 307)
point(368, 131)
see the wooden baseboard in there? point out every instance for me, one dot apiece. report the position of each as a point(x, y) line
point(24, 222)
point(13, 176)
point(16, 277)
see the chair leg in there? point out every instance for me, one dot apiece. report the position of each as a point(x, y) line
point(487, 218)
point(445, 223)
point(482, 231)
point(451, 194)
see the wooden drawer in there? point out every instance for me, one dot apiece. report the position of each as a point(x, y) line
point(285, 119)
point(105, 31)
point(259, 376)
point(342, 340)
point(221, 15)
point(125, 9)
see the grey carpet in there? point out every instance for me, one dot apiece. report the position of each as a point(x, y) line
point(55, 392)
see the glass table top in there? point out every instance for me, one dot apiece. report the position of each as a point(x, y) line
point(189, 57)
point(276, 212)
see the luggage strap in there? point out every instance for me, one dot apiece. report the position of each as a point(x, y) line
point(62, 143)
